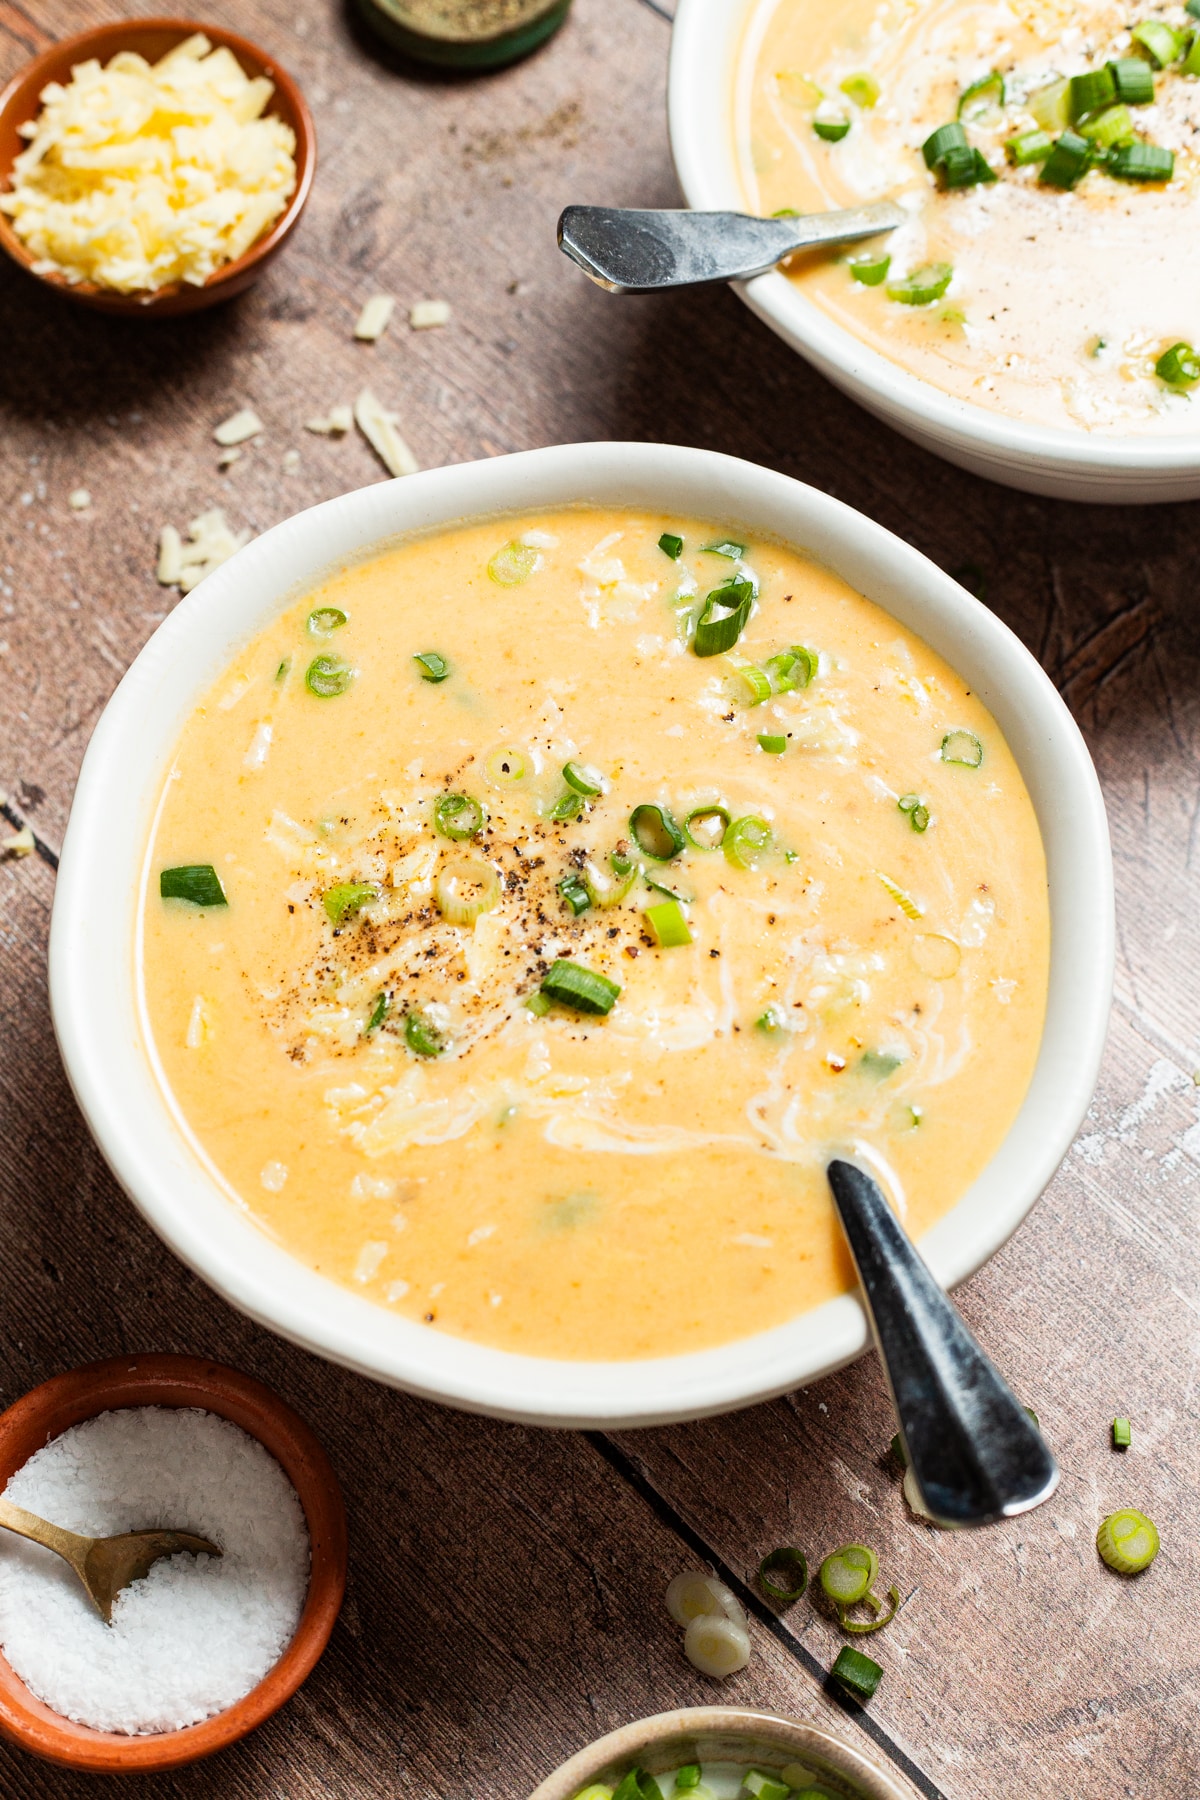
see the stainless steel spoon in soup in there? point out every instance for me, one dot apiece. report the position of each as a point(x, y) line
point(105, 1565)
point(633, 251)
point(973, 1450)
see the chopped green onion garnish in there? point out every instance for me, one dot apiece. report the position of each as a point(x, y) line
point(750, 684)
point(379, 1013)
point(1191, 62)
point(983, 98)
point(466, 889)
point(655, 832)
point(918, 814)
point(879, 1063)
point(1028, 147)
point(862, 88)
point(1192, 7)
point(783, 1574)
point(1142, 162)
point(197, 882)
point(898, 1450)
point(723, 616)
point(870, 270)
point(668, 923)
point(583, 778)
point(857, 1672)
point(1132, 80)
point(945, 138)
point(1032, 1415)
point(433, 666)
point(323, 621)
point(671, 546)
point(539, 1004)
point(281, 673)
point(764, 1787)
point(862, 1626)
point(459, 817)
point(963, 748)
point(725, 547)
point(507, 767)
point(1161, 44)
point(965, 168)
point(772, 743)
point(1122, 1434)
point(1090, 93)
point(925, 284)
point(1049, 104)
point(341, 901)
point(1070, 159)
point(572, 985)
point(595, 1790)
point(687, 1777)
point(746, 840)
point(1128, 1541)
point(770, 1021)
point(568, 806)
point(422, 1037)
point(832, 129)
point(792, 668)
point(848, 1575)
point(574, 892)
point(513, 564)
point(609, 889)
point(705, 827)
point(1112, 126)
point(904, 900)
point(328, 675)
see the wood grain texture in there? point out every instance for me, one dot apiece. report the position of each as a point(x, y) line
point(516, 1610)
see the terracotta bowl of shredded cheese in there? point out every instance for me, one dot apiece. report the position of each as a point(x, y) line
point(181, 1381)
point(152, 167)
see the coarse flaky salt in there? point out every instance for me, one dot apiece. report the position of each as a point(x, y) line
point(198, 1632)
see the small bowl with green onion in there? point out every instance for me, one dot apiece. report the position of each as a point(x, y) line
point(723, 1753)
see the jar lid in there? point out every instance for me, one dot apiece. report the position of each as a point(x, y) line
point(464, 34)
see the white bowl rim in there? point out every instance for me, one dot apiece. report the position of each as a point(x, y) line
point(698, 83)
point(93, 989)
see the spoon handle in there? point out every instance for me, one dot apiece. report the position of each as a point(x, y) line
point(973, 1450)
point(632, 251)
point(68, 1544)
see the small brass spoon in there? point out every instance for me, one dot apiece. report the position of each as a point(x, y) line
point(105, 1565)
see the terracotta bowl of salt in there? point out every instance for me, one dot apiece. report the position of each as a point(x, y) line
point(181, 1381)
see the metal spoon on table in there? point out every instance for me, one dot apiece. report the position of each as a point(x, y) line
point(973, 1450)
point(105, 1565)
point(633, 251)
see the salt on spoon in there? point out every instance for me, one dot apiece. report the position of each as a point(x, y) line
point(105, 1565)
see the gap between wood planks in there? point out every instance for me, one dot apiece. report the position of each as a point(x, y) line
point(636, 1477)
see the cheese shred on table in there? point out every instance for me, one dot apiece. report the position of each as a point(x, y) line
point(138, 175)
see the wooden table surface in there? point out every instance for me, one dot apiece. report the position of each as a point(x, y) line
point(505, 1602)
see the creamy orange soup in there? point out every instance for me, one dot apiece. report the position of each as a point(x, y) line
point(825, 927)
point(1058, 303)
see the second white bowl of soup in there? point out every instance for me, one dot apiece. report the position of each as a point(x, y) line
point(1035, 317)
point(530, 874)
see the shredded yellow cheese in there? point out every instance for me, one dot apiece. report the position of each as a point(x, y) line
point(138, 175)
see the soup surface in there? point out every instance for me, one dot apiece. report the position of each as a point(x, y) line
point(846, 946)
point(1053, 303)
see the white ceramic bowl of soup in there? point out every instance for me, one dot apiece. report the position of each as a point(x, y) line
point(94, 984)
point(706, 46)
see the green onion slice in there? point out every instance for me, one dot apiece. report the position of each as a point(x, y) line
point(459, 817)
point(328, 675)
point(1128, 1541)
point(772, 743)
point(939, 142)
point(924, 285)
point(655, 832)
point(609, 888)
point(904, 900)
point(963, 748)
point(507, 768)
point(1090, 93)
point(848, 1575)
point(433, 666)
point(751, 684)
point(1191, 62)
point(465, 890)
point(727, 547)
point(1122, 1434)
point(379, 1013)
point(1111, 127)
point(705, 827)
point(539, 1004)
point(343, 901)
point(668, 924)
point(323, 621)
point(879, 1063)
point(197, 882)
point(833, 130)
point(783, 1574)
point(770, 1021)
point(857, 1673)
point(568, 806)
point(671, 546)
point(573, 985)
point(862, 88)
point(595, 1790)
point(583, 778)
point(1142, 162)
point(746, 840)
point(862, 1626)
point(870, 270)
point(918, 812)
point(574, 893)
point(513, 564)
point(983, 99)
point(1049, 104)
point(281, 673)
point(723, 616)
point(761, 1786)
point(687, 1777)
point(1028, 147)
point(1133, 81)
point(792, 668)
point(1161, 44)
point(964, 168)
point(421, 1036)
